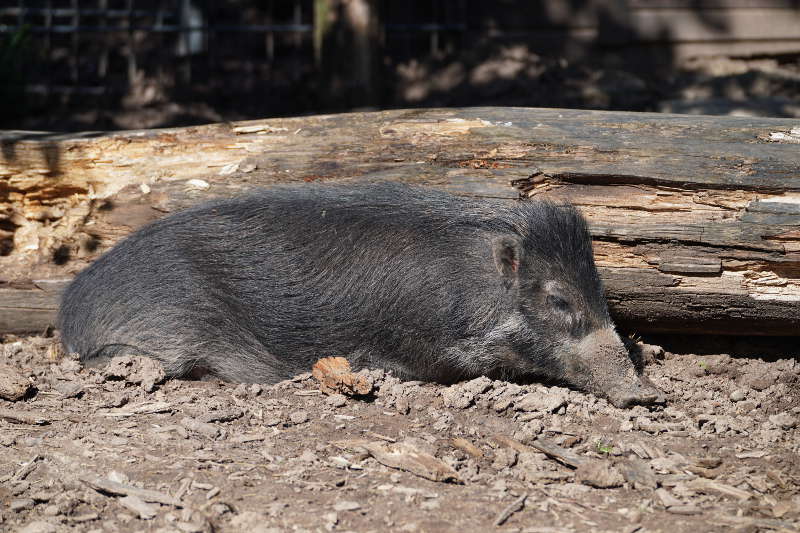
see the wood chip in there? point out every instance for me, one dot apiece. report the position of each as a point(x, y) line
point(755, 454)
point(13, 385)
point(120, 489)
point(25, 470)
point(684, 509)
point(667, 499)
point(700, 471)
point(708, 462)
point(467, 446)
point(140, 409)
point(22, 418)
point(558, 453)
point(225, 415)
point(379, 436)
point(515, 506)
point(145, 511)
point(708, 484)
point(507, 442)
point(335, 377)
point(404, 456)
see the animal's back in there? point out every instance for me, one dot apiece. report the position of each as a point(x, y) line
point(277, 278)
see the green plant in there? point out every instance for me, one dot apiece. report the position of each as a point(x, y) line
point(604, 447)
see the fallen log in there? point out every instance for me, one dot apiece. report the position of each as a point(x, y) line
point(695, 220)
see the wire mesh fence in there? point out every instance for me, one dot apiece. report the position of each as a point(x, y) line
point(106, 48)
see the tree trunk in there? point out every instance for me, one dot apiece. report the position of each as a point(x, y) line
point(695, 220)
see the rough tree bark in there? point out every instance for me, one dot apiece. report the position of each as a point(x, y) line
point(696, 220)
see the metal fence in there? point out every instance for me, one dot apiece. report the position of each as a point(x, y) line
point(98, 48)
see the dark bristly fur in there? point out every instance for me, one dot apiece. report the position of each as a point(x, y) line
point(429, 285)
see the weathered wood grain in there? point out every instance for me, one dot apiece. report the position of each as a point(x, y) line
point(696, 220)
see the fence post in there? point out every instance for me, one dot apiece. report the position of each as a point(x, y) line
point(348, 50)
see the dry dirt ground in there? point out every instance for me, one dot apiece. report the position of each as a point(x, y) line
point(114, 450)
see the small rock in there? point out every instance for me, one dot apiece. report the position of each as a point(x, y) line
point(783, 420)
point(203, 428)
point(503, 403)
point(21, 504)
point(331, 519)
point(760, 382)
point(346, 506)
point(738, 395)
point(529, 402)
point(336, 400)
point(742, 408)
point(52, 510)
point(552, 401)
point(599, 474)
point(13, 385)
point(298, 417)
point(136, 369)
point(68, 389)
point(456, 397)
point(478, 385)
point(504, 458)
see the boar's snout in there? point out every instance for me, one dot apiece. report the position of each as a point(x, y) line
point(603, 366)
point(640, 392)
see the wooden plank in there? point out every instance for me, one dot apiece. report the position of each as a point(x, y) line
point(27, 311)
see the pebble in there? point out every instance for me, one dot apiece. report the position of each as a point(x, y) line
point(21, 504)
point(737, 395)
point(51, 510)
point(783, 420)
point(336, 400)
point(298, 417)
point(346, 506)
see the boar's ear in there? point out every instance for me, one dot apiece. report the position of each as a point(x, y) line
point(507, 257)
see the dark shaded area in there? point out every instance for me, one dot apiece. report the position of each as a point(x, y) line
point(160, 63)
point(61, 254)
point(765, 348)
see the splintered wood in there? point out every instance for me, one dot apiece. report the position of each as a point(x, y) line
point(335, 377)
point(404, 456)
point(120, 489)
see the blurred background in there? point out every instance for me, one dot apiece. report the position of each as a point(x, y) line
point(70, 65)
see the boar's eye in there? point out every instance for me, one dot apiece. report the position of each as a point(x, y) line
point(558, 302)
